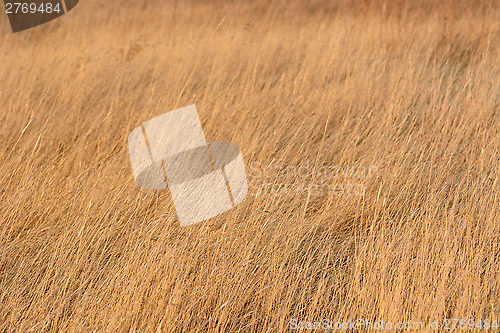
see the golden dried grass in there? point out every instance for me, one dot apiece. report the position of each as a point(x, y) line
point(408, 87)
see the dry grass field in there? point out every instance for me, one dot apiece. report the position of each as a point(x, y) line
point(395, 105)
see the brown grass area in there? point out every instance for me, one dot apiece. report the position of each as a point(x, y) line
point(409, 88)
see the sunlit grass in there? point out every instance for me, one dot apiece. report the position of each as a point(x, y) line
point(409, 89)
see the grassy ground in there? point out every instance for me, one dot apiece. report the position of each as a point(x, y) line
point(389, 110)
